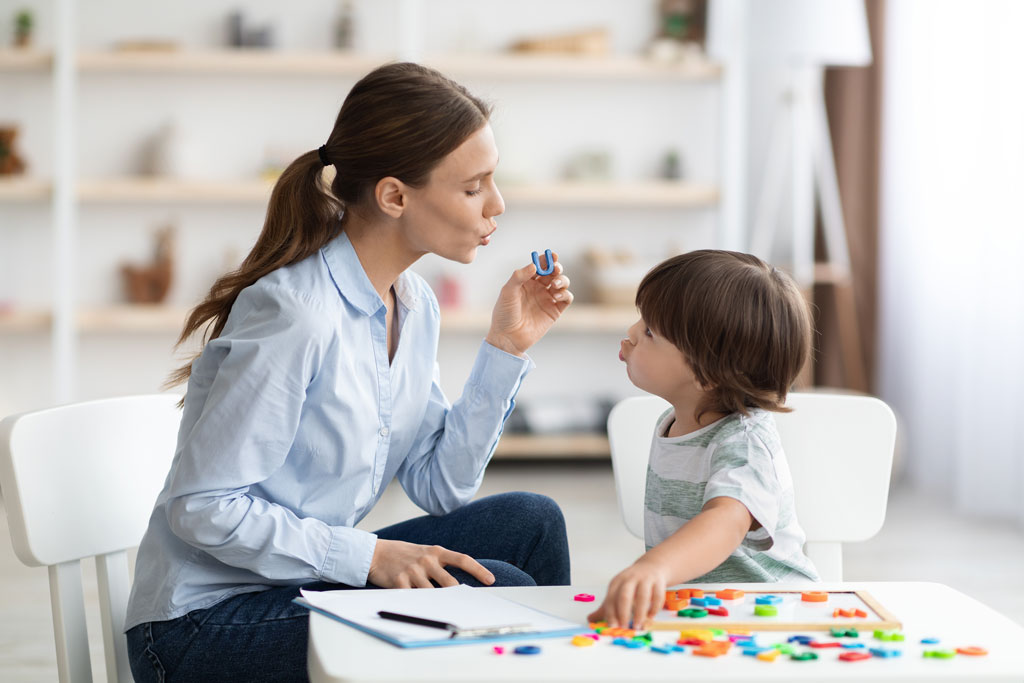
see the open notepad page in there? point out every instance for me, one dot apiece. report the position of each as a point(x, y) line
point(463, 606)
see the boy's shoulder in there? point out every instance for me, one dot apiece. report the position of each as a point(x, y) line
point(732, 441)
point(734, 427)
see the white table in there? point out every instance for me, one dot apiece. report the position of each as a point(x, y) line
point(340, 653)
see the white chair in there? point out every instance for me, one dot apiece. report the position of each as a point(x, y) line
point(839, 448)
point(80, 481)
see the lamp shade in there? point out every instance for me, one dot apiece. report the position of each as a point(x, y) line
point(796, 32)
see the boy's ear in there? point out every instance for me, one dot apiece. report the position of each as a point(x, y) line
point(391, 196)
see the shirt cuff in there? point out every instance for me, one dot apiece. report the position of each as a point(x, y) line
point(349, 556)
point(500, 372)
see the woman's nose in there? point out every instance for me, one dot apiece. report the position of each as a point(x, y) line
point(496, 206)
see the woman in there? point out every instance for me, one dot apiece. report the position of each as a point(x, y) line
point(319, 384)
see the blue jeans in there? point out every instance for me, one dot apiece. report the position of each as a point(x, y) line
point(261, 636)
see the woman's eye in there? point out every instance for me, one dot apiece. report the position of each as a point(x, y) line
point(473, 193)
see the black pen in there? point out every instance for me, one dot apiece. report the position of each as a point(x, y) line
point(419, 621)
point(455, 630)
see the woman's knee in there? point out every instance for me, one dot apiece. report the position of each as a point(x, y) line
point(505, 574)
point(532, 509)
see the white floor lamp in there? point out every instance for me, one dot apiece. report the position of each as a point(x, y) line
point(802, 37)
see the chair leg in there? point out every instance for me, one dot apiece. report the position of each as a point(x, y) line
point(112, 577)
point(69, 629)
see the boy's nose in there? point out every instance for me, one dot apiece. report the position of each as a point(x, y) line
point(633, 332)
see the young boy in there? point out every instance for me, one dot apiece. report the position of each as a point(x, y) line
point(721, 337)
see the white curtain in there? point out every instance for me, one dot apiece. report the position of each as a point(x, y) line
point(951, 346)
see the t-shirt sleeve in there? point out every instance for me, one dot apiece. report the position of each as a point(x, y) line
point(743, 469)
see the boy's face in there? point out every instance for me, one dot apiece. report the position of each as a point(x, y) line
point(657, 366)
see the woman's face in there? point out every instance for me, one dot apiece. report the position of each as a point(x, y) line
point(453, 214)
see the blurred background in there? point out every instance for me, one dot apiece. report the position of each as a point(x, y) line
point(873, 149)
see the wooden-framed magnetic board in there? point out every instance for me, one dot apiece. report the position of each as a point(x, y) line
point(794, 614)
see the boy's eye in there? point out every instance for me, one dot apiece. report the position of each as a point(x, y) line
point(647, 332)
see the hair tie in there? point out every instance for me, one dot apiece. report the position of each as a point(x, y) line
point(322, 153)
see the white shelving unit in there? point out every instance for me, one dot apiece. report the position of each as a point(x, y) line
point(68, 322)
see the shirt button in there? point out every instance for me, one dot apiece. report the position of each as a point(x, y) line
point(384, 431)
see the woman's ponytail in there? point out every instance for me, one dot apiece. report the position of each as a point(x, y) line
point(302, 216)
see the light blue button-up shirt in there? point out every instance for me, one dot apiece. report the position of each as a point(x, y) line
point(294, 423)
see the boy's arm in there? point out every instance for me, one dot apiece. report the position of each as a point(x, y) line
point(700, 545)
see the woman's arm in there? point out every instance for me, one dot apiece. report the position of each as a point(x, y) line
point(446, 464)
point(638, 592)
point(241, 416)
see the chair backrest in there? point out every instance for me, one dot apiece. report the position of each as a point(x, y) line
point(80, 481)
point(839, 448)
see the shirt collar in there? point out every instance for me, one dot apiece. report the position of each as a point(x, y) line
point(352, 282)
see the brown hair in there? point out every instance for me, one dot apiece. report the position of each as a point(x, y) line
point(742, 325)
point(400, 120)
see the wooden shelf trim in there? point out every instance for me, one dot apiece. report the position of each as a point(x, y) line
point(649, 194)
point(483, 65)
point(22, 189)
point(552, 67)
point(25, 59)
point(557, 445)
point(24, 320)
point(239, 61)
point(169, 319)
point(655, 193)
point(144, 189)
point(577, 318)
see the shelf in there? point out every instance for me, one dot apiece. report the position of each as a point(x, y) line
point(488, 65)
point(553, 67)
point(577, 318)
point(132, 318)
point(27, 59)
point(21, 321)
point(22, 189)
point(143, 189)
point(233, 62)
point(553, 445)
point(163, 319)
point(652, 194)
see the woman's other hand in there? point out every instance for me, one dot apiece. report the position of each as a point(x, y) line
point(397, 564)
point(527, 307)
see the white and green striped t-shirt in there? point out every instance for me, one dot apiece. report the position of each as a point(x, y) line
point(739, 457)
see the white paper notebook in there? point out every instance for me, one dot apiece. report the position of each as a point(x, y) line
point(463, 606)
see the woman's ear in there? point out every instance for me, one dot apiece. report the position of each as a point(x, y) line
point(390, 194)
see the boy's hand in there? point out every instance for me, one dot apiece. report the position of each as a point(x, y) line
point(637, 593)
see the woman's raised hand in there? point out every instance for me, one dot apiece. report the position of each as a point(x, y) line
point(527, 307)
point(397, 564)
